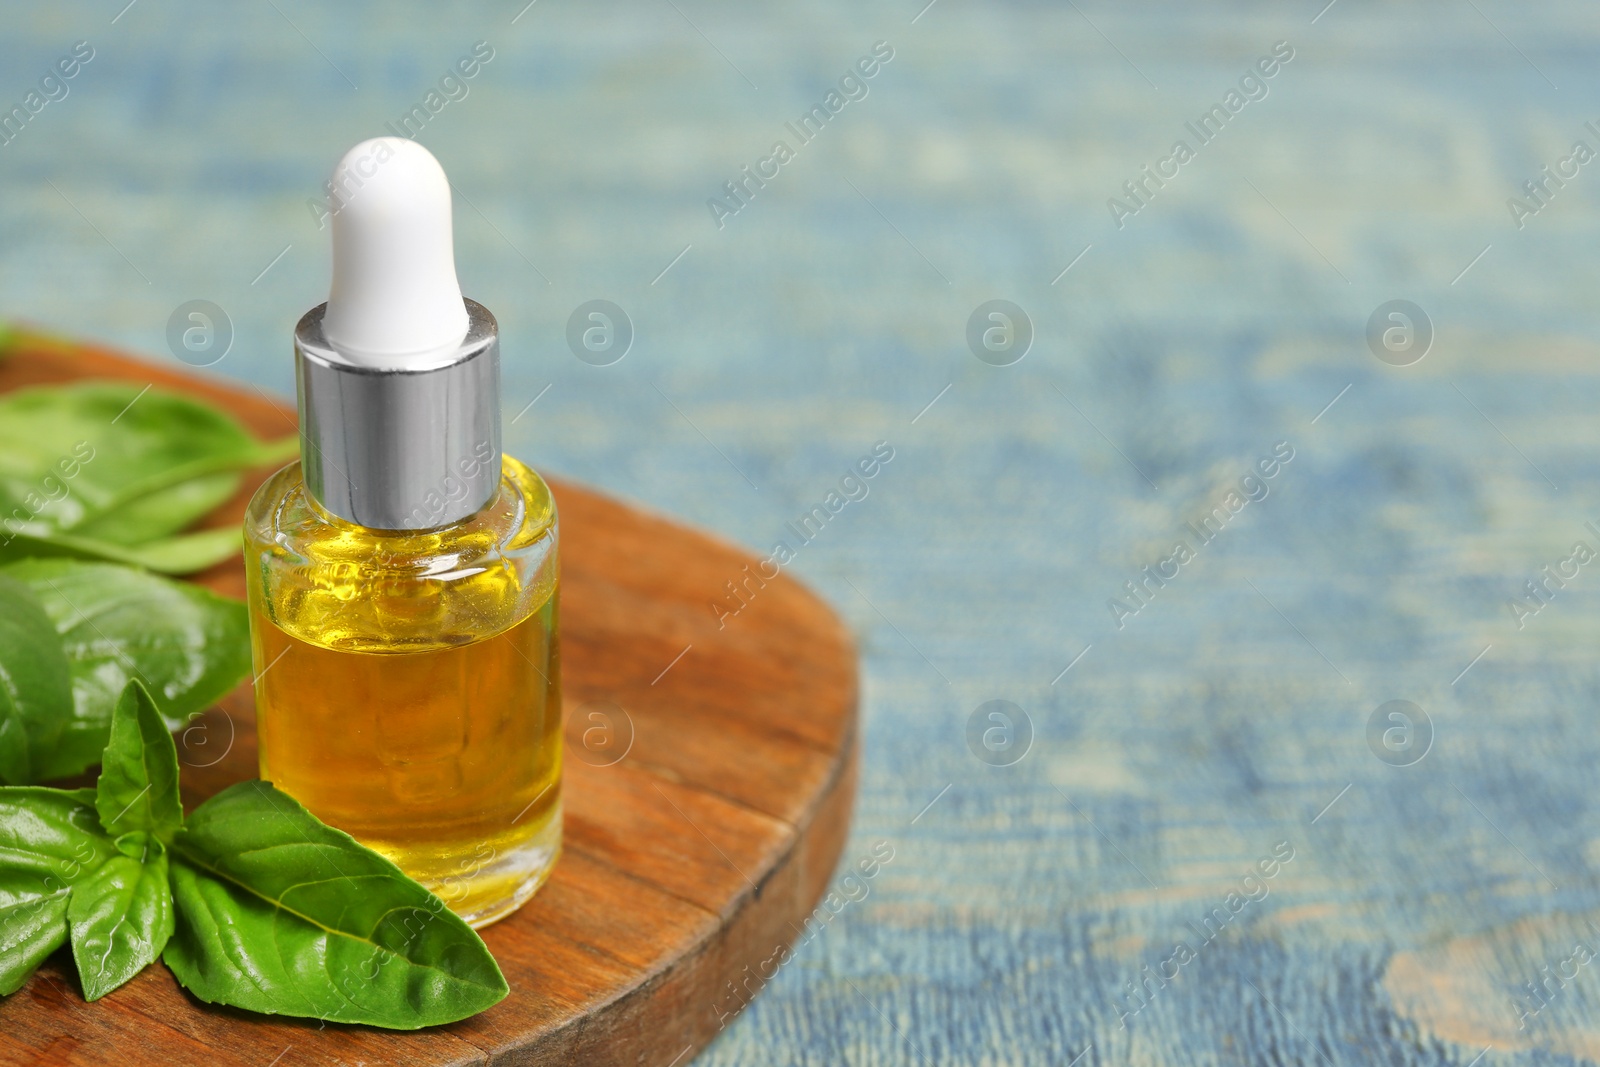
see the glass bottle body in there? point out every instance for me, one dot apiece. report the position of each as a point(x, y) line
point(408, 684)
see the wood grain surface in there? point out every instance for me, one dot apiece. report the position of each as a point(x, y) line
point(687, 861)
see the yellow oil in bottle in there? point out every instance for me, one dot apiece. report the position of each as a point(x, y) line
point(408, 685)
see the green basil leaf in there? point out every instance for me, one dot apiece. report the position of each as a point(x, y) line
point(29, 932)
point(280, 914)
point(187, 553)
point(50, 842)
point(188, 646)
point(121, 915)
point(49, 839)
point(191, 488)
point(138, 787)
point(148, 517)
point(180, 554)
point(35, 693)
point(142, 511)
point(70, 455)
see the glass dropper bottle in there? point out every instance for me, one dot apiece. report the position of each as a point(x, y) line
point(403, 574)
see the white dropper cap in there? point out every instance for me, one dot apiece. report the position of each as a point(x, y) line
point(395, 300)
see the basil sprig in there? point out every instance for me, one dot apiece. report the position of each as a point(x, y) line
point(73, 634)
point(251, 901)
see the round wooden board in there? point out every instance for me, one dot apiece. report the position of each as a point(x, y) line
point(695, 856)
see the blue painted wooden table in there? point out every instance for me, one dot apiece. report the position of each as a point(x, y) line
point(1200, 830)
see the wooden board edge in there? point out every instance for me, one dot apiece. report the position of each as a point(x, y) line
point(689, 1000)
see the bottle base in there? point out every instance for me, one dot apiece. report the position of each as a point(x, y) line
point(487, 880)
point(500, 890)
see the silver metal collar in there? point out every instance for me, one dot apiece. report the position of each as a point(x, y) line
point(407, 449)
